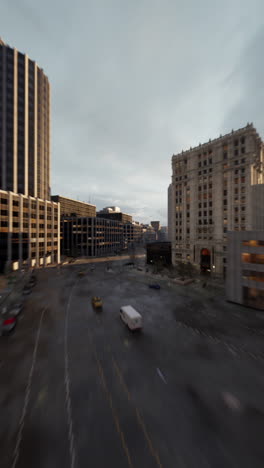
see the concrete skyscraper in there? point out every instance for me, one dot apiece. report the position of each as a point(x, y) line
point(24, 125)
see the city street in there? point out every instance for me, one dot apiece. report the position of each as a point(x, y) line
point(78, 389)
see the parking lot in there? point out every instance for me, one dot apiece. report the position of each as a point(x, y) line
point(79, 389)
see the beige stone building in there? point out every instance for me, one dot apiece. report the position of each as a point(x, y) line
point(70, 207)
point(170, 213)
point(245, 272)
point(29, 231)
point(211, 194)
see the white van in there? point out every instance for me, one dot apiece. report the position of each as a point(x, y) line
point(131, 317)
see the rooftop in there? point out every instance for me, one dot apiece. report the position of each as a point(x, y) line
point(249, 126)
point(71, 199)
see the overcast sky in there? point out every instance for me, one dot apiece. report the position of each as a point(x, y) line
point(134, 82)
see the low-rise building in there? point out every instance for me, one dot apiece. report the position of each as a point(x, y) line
point(149, 234)
point(70, 207)
point(90, 236)
point(29, 231)
point(245, 271)
point(159, 252)
point(163, 234)
point(115, 215)
point(133, 234)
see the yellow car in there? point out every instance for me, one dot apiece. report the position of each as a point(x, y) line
point(97, 302)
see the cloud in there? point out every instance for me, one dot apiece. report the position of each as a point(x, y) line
point(134, 82)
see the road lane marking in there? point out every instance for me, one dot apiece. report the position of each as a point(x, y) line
point(67, 385)
point(110, 401)
point(161, 375)
point(141, 423)
point(27, 395)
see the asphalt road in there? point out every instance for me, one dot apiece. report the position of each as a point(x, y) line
point(78, 389)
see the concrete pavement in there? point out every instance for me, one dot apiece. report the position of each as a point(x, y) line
point(78, 389)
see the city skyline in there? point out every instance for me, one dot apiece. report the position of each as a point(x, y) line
point(145, 92)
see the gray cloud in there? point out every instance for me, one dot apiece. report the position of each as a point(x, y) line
point(134, 82)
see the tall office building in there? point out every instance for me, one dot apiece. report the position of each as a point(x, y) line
point(24, 125)
point(29, 221)
point(212, 187)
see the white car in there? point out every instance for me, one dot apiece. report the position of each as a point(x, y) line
point(131, 317)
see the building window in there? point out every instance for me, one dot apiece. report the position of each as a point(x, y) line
point(253, 243)
point(253, 258)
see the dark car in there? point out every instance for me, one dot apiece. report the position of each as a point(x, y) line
point(26, 290)
point(154, 286)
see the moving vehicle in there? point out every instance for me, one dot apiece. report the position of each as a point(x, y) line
point(131, 317)
point(16, 309)
point(154, 286)
point(7, 323)
point(97, 302)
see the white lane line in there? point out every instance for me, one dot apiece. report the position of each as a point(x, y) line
point(161, 375)
point(67, 385)
point(27, 395)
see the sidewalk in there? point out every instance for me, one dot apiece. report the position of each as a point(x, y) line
point(11, 288)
